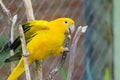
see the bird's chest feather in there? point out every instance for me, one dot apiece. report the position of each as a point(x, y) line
point(44, 45)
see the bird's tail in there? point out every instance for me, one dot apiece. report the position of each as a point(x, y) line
point(18, 70)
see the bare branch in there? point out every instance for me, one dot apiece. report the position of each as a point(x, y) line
point(11, 23)
point(14, 19)
point(5, 10)
point(38, 70)
point(30, 16)
point(73, 47)
point(29, 10)
point(22, 38)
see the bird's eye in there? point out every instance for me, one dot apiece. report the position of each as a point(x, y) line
point(66, 22)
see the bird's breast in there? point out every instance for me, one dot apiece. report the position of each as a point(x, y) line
point(44, 45)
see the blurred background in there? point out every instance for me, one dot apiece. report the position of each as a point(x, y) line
point(93, 59)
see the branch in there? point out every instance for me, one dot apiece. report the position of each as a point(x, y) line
point(5, 10)
point(30, 16)
point(11, 23)
point(54, 71)
point(28, 10)
point(22, 38)
point(14, 19)
point(38, 70)
point(73, 47)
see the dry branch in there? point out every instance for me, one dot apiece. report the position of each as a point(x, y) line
point(38, 70)
point(30, 16)
point(22, 38)
point(29, 10)
point(4, 9)
point(11, 24)
point(14, 19)
point(73, 47)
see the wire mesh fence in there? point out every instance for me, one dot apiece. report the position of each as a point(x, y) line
point(94, 51)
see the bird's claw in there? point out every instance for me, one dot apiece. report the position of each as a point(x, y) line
point(66, 49)
point(26, 54)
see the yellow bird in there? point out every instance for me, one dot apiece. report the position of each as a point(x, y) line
point(44, 38)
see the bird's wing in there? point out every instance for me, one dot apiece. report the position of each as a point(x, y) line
point(29, 30)
point(15, 57)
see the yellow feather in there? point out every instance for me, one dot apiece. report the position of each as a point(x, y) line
point(18, 70)
point(46, 42)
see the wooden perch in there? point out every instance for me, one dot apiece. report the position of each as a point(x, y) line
point(28, 10)
point(14, 19)
point(30, 16)
point(73, 47)
point(4, 9)
point(38, 70)
point(22, 38)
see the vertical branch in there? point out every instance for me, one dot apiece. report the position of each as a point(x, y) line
point(38, 70)
point(11, 23)
point(14, 19)
point(28, 10)
point(73, 47)
point(30, 16)
point(22, 38)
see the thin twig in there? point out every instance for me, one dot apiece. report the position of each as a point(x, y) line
point(73, 47)
point(14, 19)
point(38, 70)
point(22, 38)
point(29, 10)
point(30, 16)
point(4, 9)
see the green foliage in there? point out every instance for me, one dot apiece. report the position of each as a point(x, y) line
point(3, 40)
point(107, 74)
point(64, 73)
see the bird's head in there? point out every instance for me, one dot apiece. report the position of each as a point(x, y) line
point(65, 25)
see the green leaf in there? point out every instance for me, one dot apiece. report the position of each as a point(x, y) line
point(64, 73)
point(107, 74)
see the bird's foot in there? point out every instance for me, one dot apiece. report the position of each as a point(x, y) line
point(66, 49)
point(26, 54)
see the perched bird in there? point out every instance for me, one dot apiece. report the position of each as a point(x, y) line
point(43, 38)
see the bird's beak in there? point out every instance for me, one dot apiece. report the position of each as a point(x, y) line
point(70, 29)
